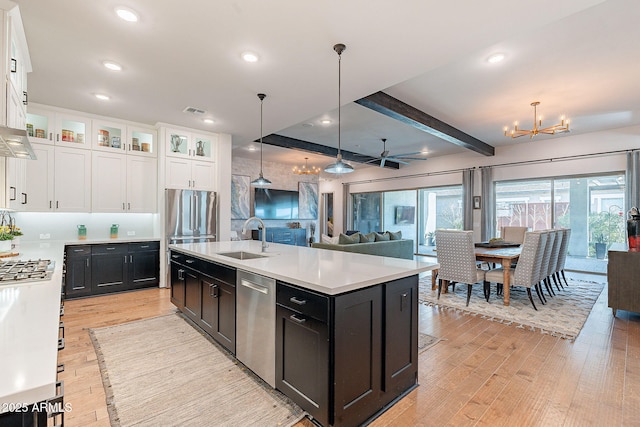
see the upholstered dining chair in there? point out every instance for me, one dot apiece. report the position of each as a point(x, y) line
point(566, 234)
point(513, 234)
point(527, 270)
point(455, 251)
point(546, 258)
point(555, 255)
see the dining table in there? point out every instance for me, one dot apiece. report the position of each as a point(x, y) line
point(492, 254)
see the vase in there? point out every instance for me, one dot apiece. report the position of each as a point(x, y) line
point(15, 243)
point(5, 245)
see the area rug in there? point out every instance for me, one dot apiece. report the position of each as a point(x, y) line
point(562, 315)
point(163, 372)
point(426, 341)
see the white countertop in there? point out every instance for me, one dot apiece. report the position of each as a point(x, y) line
point(29, 316)
point(325, 271)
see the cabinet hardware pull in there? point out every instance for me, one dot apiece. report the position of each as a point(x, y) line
point(190, 261)
point(50, 136)
point(123, 206)
point(87, 262)
point(175, 256)
point(129, 205)
point(57, 204)
point(131, 259)
point(213, 290)
point(295, 319)
point(298, 301)
point(14, 193)
point(14, 65)
point(25, 101)
point(24, 198)
point(57, 137)
point(50, 202)
point(180, 274)
point(144, 246)
point(125, 259)
point(110, 249)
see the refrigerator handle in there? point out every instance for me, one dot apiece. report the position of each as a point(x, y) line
point(192, 219)
point(196, 213)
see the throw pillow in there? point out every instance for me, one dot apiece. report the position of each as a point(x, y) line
point(395, 236)
point(348, 240)
point(325, 239)
point(367, 238)
point(382, 237)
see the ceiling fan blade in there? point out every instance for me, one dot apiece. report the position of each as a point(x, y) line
point(400, 161)
point(382, 160)
point(407, 158)
point(407, 154)
point(372, 161)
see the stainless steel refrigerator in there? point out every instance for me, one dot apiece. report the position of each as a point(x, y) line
point(191, 216)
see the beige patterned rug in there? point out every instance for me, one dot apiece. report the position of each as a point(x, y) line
point(563, 315)
point(163, 372)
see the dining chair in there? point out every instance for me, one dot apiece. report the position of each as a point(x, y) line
point(566, 234)
point(546, 257)
point(457, 259)
point(555, 255)
point(527, 271)
point(513, 234)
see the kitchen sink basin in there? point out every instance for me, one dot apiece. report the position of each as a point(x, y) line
point(242, 255)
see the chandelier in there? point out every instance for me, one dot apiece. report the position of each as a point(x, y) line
point(306, 170)
point(561, 127)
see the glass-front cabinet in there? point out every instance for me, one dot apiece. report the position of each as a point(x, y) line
point(109, 136)
point(189, 145)
point(40, 126)
point(141, 141)
point(73, 131)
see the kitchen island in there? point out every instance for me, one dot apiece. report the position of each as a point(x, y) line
point(344, 325)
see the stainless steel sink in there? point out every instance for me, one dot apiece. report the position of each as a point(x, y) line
point(242, 255)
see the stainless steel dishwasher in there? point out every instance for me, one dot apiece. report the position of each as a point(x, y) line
point(256, 324)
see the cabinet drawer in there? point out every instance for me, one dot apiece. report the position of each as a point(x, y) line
point(78, 250)
point(118, 248)
point(303, 301)
point(218, 271)
point(144, 246)
point(187, 260)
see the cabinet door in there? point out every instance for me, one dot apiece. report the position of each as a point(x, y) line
point(39, 179)
point(178, 173)
point(400, 369)
point(358, 355)
point(77, 279)
point(17, 183)
point(144, 269)
point(302, 361)
point(192, 294)
point(40, 126)
point(109, 182)
point(202, 176)
point(141, 142)
point(177, 285)
point(177, 143)
point(225, 326)
point(15, 107)
point(72, 180)
point(109, 136)
point(204, 147)
point(142, 184)
point(108, 272)
point(73, 131)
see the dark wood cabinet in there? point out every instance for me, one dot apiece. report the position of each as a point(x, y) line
point(144, 265)
point(284, 235)
point(104, 268)
point(77, 271)
point(623, 276)
point(108, 271)
point(205, 292)
point(345, 358)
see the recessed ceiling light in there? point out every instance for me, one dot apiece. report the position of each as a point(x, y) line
point(250, 57)
point(251, 148)
point(127, 14)
point(326, 122)
point(208, 121)
point(102, 97)
point(307, 125)
point(112, 65)
point(495, 58)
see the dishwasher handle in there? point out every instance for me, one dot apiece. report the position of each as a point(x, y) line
point(254, 286)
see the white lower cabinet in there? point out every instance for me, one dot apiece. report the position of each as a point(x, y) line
point(59, 180)
point(123, 183)
point(190, 174)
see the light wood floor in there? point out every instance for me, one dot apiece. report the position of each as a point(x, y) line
point(481, 373)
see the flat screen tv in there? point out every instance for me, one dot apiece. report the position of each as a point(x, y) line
point(275, 204)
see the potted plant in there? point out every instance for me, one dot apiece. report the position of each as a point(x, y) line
point(600, 245)
point(5, 240)
point(431, 238)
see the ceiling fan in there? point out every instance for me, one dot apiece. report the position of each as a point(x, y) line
point(398, 158)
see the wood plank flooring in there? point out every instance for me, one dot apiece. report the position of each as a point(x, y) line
point(482, 373)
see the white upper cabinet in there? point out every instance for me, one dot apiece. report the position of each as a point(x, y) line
point(190, 145)
point(59, 128)
point(109, 136)
point(18, 64)
point(142, 141)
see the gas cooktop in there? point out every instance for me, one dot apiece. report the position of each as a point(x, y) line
point(31, 270)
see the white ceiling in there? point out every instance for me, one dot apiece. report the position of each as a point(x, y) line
point(577, 57)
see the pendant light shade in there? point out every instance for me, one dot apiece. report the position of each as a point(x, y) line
point(261, 181)
point(339, 167)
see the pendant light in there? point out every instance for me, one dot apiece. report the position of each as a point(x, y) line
point(261, 181)
point(339, 167)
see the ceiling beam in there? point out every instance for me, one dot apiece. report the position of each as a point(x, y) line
point(396, 109)
point(312, 147)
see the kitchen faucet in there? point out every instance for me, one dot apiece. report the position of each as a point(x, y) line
point(264, 231)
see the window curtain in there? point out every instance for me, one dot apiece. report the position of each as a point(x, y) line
point(467, 198)
point(487, 215)
point(632, 187)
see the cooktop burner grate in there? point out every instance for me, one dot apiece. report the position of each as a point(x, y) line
point(18, 270)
